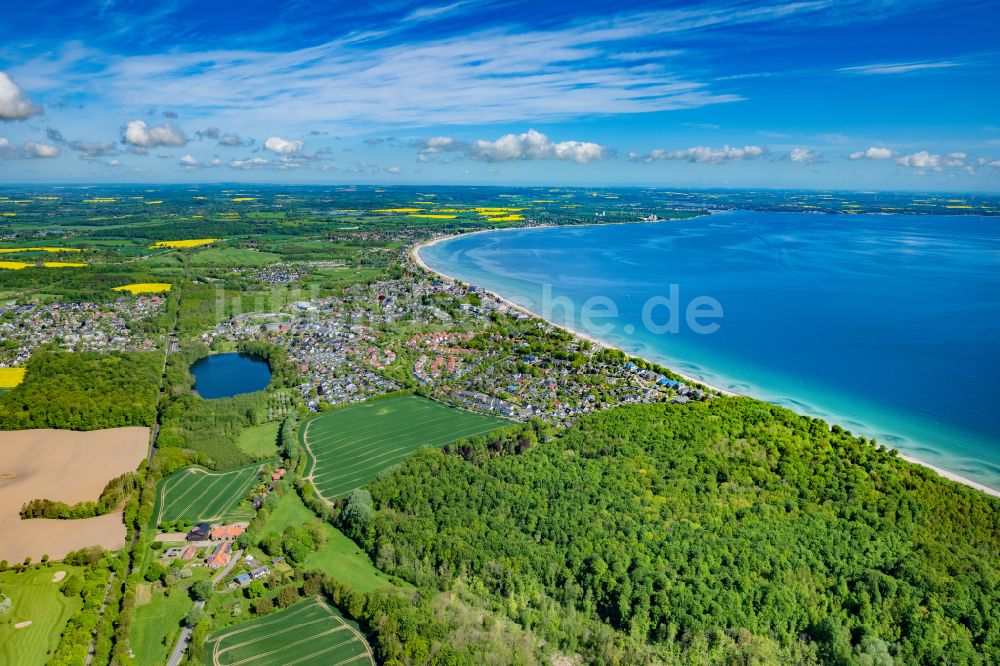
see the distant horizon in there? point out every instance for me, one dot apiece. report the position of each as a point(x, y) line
point(591, 186)
point(820, 95)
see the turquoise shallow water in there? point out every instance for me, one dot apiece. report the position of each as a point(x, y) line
point(888, 325)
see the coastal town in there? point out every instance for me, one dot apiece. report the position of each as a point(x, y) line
point(489, 357)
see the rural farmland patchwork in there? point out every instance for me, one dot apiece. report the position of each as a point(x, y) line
point(352, 446)
point(307, 633)
point(196, 494)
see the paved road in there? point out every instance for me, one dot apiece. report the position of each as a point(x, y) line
point(185, 637)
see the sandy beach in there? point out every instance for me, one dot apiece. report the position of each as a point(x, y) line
point(414, 255)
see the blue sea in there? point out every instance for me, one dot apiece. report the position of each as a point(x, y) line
point(886, 324)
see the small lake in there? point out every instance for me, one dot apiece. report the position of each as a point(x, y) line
point(226, 375)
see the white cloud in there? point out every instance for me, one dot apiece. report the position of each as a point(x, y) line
point(956, 159)
point(251, 163)
point(873, 153)
point(395, 170)
point(900, 67)
point(14, 104)
point(804, 155)
point(533, 145)
point(138, 133)
point(500, 73)
point(40, 149)
point(530, 145)
point(92, 150)
point(189, 160)
point(629, 56)
point(281, 146)
point(28, 150)
point(920, 160)
point(436, 144)
point(701, 154)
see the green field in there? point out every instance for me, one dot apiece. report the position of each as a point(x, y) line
point(260, 441)
point(37, 599)
point(339, 557)
point(158, 621)
point(352, 446)
point(195, 494)
point(233, 256)
point(310, 632)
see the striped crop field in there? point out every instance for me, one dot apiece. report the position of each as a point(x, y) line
point(308, 633)
point(349, 447)
point(195, 494)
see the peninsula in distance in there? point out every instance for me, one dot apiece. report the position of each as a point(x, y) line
point(465, 333)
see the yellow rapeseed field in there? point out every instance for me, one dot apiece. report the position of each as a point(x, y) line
point(11, 377)
point(505, 218)
point(7, 250)
point(397, 210)
point(13, 265)
point(433, 216)
point(144, 287)
point(63, 264)
point(194, 242)
point(244, 198)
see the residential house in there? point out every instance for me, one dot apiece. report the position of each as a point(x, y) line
point(220, 556)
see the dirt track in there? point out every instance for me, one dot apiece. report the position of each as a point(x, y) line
point(66, 466)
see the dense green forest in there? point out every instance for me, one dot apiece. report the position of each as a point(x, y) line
point(728, 530)
point(84, 391)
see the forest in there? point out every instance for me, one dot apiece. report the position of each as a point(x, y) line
point(731, 530)
point(84, 391)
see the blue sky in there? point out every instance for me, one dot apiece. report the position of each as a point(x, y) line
point(814, 93)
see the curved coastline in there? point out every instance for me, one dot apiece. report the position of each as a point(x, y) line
point(414, 255)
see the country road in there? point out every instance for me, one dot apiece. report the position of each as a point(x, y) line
point(185, 637)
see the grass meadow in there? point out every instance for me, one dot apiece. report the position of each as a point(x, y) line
point(349, 447)
point(338, 557)
point(260, 441)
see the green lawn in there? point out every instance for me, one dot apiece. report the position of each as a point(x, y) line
point(37, 599)
point(339, 557)
point(308, 633)
point(157, 623)
point(352, 446)
point(260, 441)
point(196, 494)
